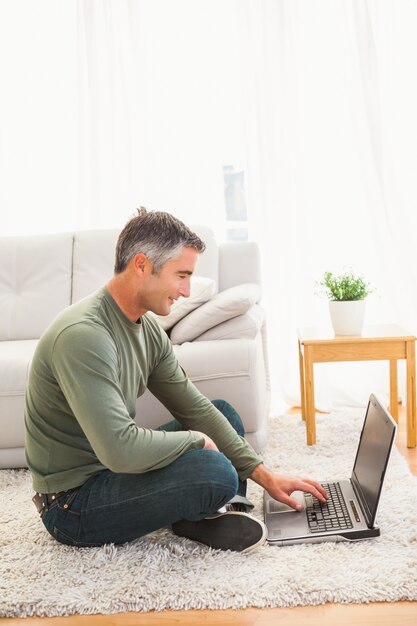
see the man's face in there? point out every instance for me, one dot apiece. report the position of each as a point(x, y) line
point(160, 290)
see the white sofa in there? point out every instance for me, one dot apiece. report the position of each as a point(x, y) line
point(221, 344)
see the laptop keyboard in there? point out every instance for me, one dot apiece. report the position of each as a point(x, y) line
point(330, 515)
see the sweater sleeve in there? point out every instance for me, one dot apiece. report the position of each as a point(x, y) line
point(85, 364)
point(170, 384)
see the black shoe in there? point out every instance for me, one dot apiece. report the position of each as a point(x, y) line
point(232, 530)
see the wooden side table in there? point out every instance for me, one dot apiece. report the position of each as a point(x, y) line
point(377, 343)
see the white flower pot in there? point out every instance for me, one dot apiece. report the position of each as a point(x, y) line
point(347, 316)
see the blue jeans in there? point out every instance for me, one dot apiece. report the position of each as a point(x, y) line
point(115, 508)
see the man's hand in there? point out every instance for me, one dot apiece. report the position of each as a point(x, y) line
point(281, 487)
point(208, 443)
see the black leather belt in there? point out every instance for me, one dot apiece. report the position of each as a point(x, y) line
point(43, 500)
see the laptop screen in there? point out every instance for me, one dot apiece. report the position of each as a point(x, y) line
point(372, 457)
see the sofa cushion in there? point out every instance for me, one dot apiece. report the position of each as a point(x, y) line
point(35, 283)
point(201, 290)
point(223, 306)
point(245, 326)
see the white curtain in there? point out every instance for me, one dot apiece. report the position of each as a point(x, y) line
point(110, 104)
point(38, 116)
point(332, 93)
point(158, 95)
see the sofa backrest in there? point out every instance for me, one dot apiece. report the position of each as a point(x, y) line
point(35, 283)
point(94, 259)
point(41, 275)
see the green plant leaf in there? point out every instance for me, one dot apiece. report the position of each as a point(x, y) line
point(348, 286)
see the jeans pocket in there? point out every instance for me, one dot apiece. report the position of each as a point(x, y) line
point(62, 521)
point(69, 541)
point(66, 503)
point(62, 537)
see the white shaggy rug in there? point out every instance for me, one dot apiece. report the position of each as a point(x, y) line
point(40, 577)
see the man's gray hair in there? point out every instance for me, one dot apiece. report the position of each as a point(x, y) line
point(159, 236)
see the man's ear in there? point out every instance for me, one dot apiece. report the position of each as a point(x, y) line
point(140, 263)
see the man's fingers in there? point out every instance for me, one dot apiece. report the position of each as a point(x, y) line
point(282, 487)
point(305, 485)
point(313, 487)
point(292, 502)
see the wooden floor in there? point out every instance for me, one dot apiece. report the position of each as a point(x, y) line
point(381, 614)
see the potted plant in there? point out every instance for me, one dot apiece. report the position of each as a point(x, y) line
point(346, 293)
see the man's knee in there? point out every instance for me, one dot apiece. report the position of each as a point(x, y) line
point(219, 471)
point(214, 480)
point(231, 415)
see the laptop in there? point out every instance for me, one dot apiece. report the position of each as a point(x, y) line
point(349, 514)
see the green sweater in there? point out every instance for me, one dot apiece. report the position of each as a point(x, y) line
point(88, 369)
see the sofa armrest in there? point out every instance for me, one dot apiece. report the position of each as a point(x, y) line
point(224, 306)
point(239, 262)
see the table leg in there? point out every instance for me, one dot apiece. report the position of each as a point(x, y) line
point(393, 389)
point(309, 397)
point(411, 394)
point(302, 384)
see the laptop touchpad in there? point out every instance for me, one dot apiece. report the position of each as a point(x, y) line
point(274, 506)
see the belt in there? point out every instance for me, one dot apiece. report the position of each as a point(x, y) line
point(43, 500)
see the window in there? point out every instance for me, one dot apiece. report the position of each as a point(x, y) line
point(235, 204)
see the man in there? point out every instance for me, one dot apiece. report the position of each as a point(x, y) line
point(99, 477)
